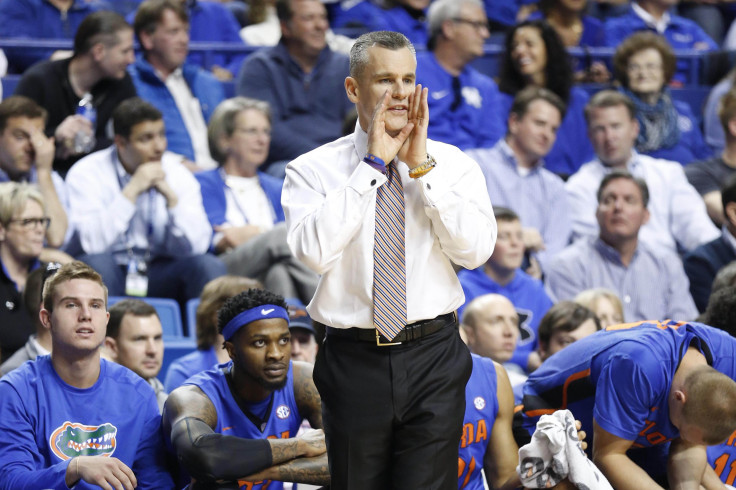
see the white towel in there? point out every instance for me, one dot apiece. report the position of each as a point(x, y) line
point(555, 454)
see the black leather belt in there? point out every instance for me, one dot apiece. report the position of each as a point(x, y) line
point(411, 332)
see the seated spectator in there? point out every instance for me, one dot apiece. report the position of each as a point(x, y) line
point(517, 177)
point(302, 80)
point(135, 339)
point(572, 24)
point(703, 263)
point(643, 64)
point(712, 128)
point(136, 208)
point(184, 93)
point(38, 344)
point(304, 344)
point(490, 326)
point(243, 205)
point(265, 29)
point(565, 323)
point(462, 101)
point(678, 219)
point(27, 155)
point(655, 16)
point(604, 303)
point(203, 15)
point(502, 275)
point(23, 224)
point(502, 14)
point(238, 421)
point(41, 19)
point(535, 56)
point(651, 282)
point(707, 176)
point(77, 419)
point(405, 16)
point(103, 49)
point(210, 344)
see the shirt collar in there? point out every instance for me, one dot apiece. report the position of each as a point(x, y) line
point(658, 25)
point(510, 157)
point(611, 253)
point(360, 141)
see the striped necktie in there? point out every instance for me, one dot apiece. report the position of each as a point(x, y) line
point(389, 264)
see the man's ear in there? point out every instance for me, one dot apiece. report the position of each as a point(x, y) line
point(3, 230)
point(729, 211)
point(146, 40)
point(98, 51)
point(111, 345)
point(352, 89)
point(45, 316)
point(230, 348)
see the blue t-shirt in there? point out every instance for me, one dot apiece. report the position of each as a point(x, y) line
point(528, 297)
point(281, 419)
point(45, 423)
point(622, 376)
point(572, 148)
point(474, 123)
point(187, 366)
point(481, 408)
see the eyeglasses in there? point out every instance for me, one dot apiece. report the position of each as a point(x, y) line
point(479, 25)
point(32, 223)
point(648, 67)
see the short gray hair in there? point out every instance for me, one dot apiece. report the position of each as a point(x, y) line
point(442, 10)
point(13, 199)
point(383, 39)
point(222, 122)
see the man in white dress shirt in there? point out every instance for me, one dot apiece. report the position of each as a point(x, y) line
point(138, 212)
point(391, 403)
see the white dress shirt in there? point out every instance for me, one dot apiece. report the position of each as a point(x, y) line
point(108, 222)
point(677, 212)
point(191, 114)
point(329, 200)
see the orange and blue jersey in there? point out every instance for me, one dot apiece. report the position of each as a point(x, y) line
point(279, 415)
point(621, 377)
point(481, 408)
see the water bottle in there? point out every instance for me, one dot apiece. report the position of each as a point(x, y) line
point(84, 142)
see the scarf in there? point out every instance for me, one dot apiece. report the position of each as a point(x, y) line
point(657, 123)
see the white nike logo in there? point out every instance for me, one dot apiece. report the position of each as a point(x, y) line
point(440, 95)
point(266, 311)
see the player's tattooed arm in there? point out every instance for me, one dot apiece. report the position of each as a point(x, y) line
point(306, 394)
point(188, 401)
point(302, 470)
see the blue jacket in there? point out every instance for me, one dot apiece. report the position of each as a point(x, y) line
point(150, 87)
point(39, 19)
point(475, 123)
point(307, 109)
point(213, 187)
point(702, 265)
point(370, 16)
point(681, 33)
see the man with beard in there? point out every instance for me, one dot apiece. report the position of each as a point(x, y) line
point(228, 423)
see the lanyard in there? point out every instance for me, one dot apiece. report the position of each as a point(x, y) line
point(151, 201)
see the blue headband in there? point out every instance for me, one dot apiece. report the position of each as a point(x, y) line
point(260, 312)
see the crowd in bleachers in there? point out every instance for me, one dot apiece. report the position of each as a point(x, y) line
point(149, 139)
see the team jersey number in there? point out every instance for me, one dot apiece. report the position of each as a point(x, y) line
point(464, 471)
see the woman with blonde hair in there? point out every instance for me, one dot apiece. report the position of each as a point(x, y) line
point(23, 225)
point(604, 303)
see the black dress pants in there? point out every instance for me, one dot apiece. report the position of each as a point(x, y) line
point(393, 415)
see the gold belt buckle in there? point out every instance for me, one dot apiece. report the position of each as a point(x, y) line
point(380, 344)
